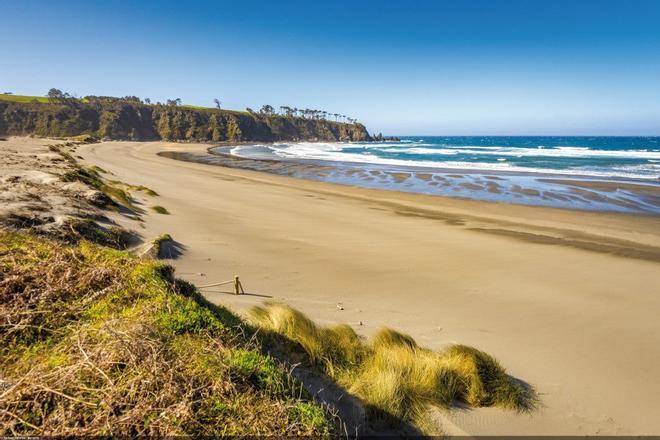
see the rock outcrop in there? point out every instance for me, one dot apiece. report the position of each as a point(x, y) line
point(125, 120)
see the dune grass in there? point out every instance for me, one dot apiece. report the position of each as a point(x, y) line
point(148, 191)
point(392, 374)
point(160, 209)
point(144, 189)
point(84, 139)
point(162, 238)
point(119, 192)
point(98, 169)
point(93, 178)
point(97, 342)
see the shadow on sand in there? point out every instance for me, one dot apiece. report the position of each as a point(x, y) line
point(356, 418)
point(231, 292)
point(171, 250)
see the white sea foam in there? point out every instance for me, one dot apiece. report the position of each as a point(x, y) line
point(335, 152)
point(572, 152)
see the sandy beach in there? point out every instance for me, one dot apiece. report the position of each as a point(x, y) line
point(566, 300)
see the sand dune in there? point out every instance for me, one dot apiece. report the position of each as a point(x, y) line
point(567, 301)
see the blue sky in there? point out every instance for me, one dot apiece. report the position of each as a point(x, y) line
point(414, 67)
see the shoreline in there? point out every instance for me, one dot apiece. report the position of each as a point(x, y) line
point(456, 170)
point(579, 192)
point(576, 323)
point(398, 202)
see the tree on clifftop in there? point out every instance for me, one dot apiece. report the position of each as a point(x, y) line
point(286, 110)
point(217, 103)
point(267, 109)
point(56, 95)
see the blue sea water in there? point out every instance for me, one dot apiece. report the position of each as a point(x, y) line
point(512, 169)
point(624, 157)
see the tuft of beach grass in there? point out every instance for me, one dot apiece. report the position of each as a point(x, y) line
point(160, 210)
point(392, 374)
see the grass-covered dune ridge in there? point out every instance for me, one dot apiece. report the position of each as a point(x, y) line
point(393, 376)
point(94, 341)
point(127, 120)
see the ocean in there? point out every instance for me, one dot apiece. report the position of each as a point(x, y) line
point(622, 157)
point(588, 173)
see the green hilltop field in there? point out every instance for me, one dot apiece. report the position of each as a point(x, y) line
point(9, 97)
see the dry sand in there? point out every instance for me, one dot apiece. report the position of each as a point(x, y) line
point(33, 193)
point(567, 301)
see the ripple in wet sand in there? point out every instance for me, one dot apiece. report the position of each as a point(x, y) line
point(493, 188)
point(525, 191)
point(471, 186)
point(400, 177)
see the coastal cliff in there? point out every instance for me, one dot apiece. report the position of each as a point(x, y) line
point(124, 120)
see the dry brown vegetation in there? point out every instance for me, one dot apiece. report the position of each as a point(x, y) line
point(97, 342)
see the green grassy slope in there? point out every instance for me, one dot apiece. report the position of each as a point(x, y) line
point(22, 98)
point(94, 341)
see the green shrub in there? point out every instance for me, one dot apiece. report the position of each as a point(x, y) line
point(184, 315)
point(312, 417)
point(257, 368)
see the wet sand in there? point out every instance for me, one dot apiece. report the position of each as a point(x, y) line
point(566, 300)
point(585, 193)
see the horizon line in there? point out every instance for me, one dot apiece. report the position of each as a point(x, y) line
point(521, 135)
